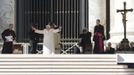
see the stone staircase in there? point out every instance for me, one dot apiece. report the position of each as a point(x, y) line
point(102, 64)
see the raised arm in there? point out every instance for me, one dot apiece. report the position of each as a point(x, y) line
point(38, 31)
point(57, 30)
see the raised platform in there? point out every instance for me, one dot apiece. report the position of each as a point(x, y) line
point(125, 58)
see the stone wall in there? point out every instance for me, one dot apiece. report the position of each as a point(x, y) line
point(97, 10)
point(7, 14)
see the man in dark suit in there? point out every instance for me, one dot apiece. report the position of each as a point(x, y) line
point(34, 39)
point(85, 41)
point(109, 49)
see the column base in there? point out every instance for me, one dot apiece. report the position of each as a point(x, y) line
point(125, 40)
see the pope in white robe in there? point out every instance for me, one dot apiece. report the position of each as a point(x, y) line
point(48, 40)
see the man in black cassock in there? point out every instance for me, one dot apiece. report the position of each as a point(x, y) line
point(34, 39)
point(98, 38)
point(85, 42)
point(8, 36)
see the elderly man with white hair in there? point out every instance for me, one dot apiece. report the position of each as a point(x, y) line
point(48, 40)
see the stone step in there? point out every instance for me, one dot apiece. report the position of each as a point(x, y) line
point(60, 56)
point(57, 63)
point(66, 70)
point(100, 64)
point(56, 60)
point(67, 73)
point(65, 67)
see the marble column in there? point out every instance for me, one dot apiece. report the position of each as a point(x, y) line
point(97, 10)
point(117, 30)
point(7, 14)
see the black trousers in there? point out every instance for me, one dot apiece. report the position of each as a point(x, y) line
point(33, 47)
point(7, 48)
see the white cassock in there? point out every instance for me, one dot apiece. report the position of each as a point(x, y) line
point(48, 40)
